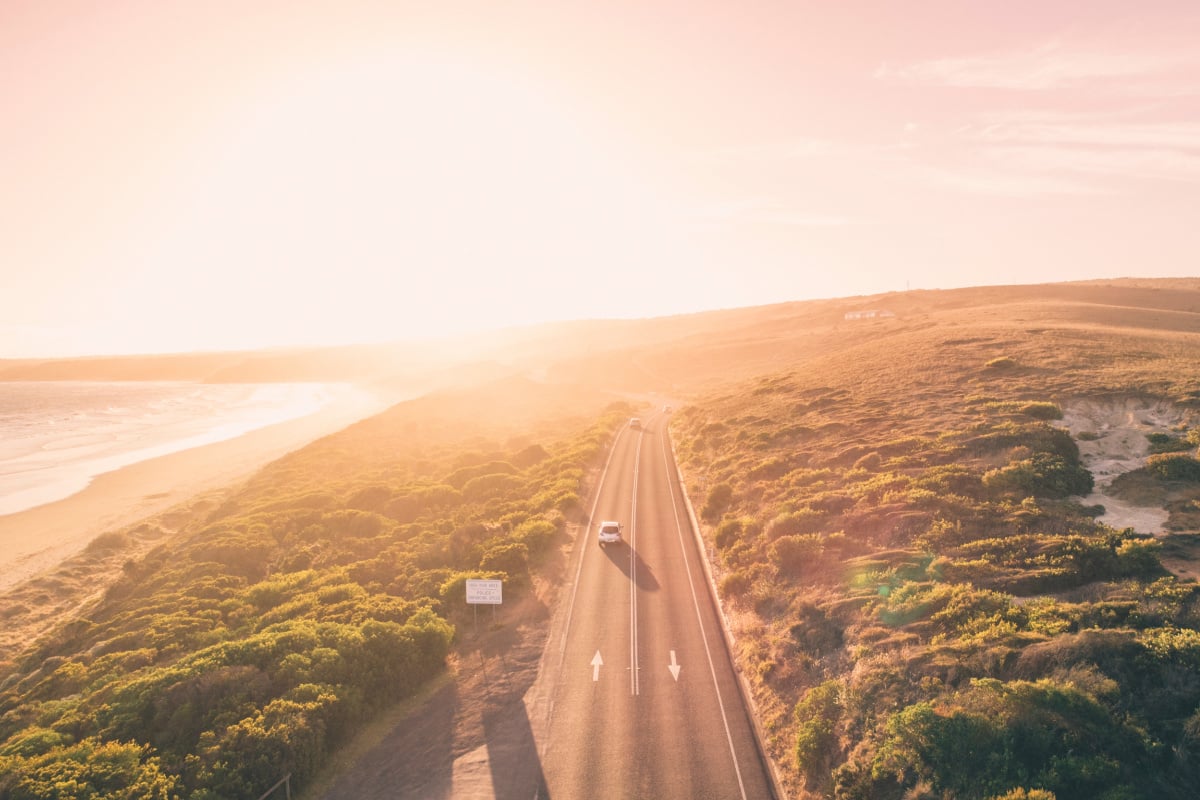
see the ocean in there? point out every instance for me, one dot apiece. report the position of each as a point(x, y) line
point(56, 436)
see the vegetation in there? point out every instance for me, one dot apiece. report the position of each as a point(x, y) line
point(327, 589)
point(925, 607)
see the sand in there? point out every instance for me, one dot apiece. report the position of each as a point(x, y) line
point(1115, 443)
point(35, 541)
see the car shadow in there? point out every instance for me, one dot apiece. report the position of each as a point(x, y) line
point(627, 559)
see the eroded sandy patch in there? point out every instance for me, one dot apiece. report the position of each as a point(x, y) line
point(1111, 434)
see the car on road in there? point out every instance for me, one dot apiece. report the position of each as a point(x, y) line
point(609, 532)
point(634, 422)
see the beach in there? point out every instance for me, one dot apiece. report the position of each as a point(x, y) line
point(38, 539)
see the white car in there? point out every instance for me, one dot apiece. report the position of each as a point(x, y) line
point(634, 422)
point(609, 532)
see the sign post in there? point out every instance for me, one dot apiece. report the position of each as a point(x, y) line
point(488, 592)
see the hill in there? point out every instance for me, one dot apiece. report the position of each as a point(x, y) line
point(927, 600)
point(899, 496)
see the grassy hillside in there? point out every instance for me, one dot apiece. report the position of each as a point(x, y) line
point(259, 639)
point(923, 602)
point(924, 606)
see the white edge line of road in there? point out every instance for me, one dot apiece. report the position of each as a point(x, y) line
point(743, 688)
point(587, 532)
point(712, 669)
point(635, 687)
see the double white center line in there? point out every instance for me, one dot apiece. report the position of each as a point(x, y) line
point(634, 686)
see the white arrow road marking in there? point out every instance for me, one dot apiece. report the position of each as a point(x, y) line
point(597, 662)
point(674, 666)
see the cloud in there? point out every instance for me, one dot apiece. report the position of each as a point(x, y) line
point(1147, 132)
point(1046, 67)
point(1091, 130)
point(1090, 144)
point(1004, 180)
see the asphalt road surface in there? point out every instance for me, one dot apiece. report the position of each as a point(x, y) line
point(644, 702)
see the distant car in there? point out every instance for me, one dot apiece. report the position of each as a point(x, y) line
point(634, 422)
point(609, 532)
point(666, 409)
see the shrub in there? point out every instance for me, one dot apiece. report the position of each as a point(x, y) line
point(870, 462)
point(769, 469)
point(533, 454)
point(719, 498)
point(1037, 409)
point(511, 558)
point(789, 523)
point(537, 534)
point(105, 542)
point(1042, 475)
point(816, 715)
point(1174, 467)
point(795, 553)
point(1163, 443)
point(485, 486)
point(1139, 557)
point(1026, 794)
point(90, 769)
point(358, 524)
point(727, 533)
point(370, 498)
point(459, 478)
point(1001, 362)
point(996, 735)
point(1042, 410)
point(735, 584)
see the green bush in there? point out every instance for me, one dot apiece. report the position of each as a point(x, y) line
point(1164, 443)
point(728, 533)
point(536, 534)
point(796, 553)
point(1042, 475)
point(511, 558)
point(735, 584)
point(1174, 467)
point(459, 478)
point(806, 520)
point(996, 735)
point(719, 498)
point(1037, 409)
point(816, 717)
point(1042, 410)
point(89, 769)
point(492, 485)
point(1025, 794)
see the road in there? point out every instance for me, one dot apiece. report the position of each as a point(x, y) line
point(644, 701)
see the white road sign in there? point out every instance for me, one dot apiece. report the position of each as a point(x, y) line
point(485, 592)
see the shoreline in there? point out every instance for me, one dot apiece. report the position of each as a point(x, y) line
point(39, 539)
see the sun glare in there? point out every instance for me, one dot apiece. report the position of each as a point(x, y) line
point(393, 196)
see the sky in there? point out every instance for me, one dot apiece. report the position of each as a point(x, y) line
point(182, 176)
